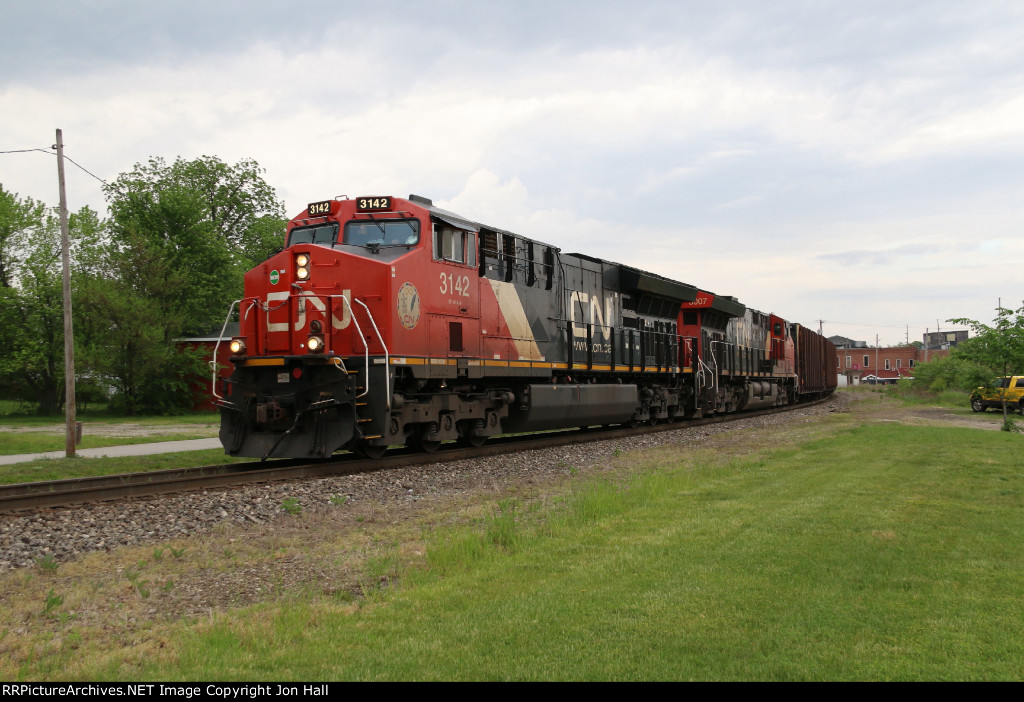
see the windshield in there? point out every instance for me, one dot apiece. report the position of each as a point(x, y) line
point(322, 234)
point(382, 232)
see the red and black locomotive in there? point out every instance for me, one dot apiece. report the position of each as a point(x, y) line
point(391, 321)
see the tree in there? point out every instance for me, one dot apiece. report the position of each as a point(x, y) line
point(239, 204)
point(17, 217)
point(181, 237)
point(999, 347)
point(952, 371)
point(164, 250)
point(32, 332)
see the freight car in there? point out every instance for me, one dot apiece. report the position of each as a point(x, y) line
point(389, 321)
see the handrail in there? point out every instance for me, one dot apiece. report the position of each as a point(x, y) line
point(213, 361)
point(387, 356)
point(366, 347)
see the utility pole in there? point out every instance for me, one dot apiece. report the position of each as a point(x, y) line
point(878, 373)
point(69, 342)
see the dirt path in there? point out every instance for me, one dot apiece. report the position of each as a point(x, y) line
point(887, 410)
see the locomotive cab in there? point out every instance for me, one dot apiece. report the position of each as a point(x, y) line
point(341, 329)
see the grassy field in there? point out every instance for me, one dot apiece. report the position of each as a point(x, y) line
point(64, 468)
point(863, 546)
point(12, 443)
point(28, 434)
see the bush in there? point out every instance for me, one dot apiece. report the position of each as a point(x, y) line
point(950, 372)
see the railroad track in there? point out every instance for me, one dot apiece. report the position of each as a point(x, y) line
point(24, 497)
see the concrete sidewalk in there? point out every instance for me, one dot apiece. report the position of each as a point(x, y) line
point(112, 451)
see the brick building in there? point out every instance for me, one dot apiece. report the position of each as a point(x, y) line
point(881, 365)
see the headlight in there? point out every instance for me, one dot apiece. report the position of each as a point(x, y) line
point(315, 344)
point(301, 266)
point(237, 347)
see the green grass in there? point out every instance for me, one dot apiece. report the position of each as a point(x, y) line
point(886, 553)
point(64, 468)
point(13, 443)
point(879, 552)
point(14, 413)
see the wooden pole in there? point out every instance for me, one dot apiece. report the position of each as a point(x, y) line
point(69, 342)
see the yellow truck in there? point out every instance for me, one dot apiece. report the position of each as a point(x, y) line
point(1011, 387)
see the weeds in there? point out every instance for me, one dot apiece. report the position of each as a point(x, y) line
point(338, 500)
point(141, 586)
point(52, 601)
point(502, 530)
point(291, 506)
point(177, 552)
point(381, 573)
point(47, 562)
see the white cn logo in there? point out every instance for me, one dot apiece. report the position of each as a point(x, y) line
point(318, 304)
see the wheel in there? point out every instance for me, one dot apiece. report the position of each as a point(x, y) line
point(418, 443)
point(367, 450)
point(977, 405)
point(428, 446)
point(473, 441)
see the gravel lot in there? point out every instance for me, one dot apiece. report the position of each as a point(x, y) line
point(67, 533)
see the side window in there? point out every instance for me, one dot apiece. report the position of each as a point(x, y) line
point(451, 244)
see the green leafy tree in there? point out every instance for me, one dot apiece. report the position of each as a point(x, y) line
point(180, 238)
point(39, 350)
point(33, 320)
point(998, 347)
point(17, 219)
point(166, 251)
point(241, 207)
point(952, 371)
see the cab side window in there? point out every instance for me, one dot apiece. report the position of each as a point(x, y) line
point(451, 244)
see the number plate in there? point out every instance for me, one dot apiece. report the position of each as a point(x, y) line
point(367, 204)
point(319, 208)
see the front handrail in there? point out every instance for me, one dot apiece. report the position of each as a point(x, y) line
point(213, 361)
point(387, 356)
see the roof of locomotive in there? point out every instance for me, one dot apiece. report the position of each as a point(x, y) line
point(629, 278)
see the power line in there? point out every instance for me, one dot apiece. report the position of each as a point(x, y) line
point(22, 151)
point(51, 153)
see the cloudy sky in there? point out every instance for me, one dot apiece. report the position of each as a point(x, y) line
point(860, 163)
